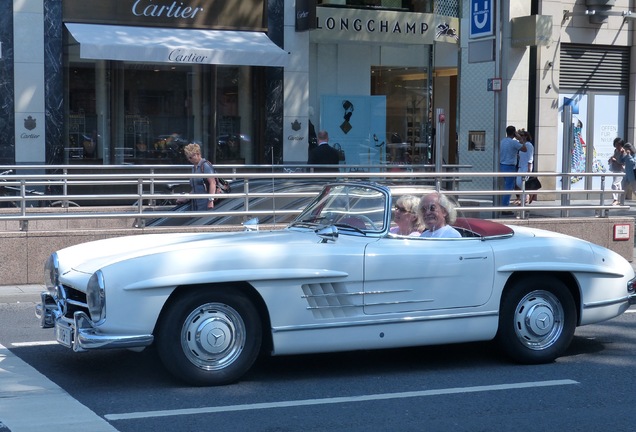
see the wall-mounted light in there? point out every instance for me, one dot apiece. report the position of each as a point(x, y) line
point(550, 64)
point(548, 88)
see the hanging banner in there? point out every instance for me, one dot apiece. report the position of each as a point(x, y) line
point(305, 15)
point(356, 124)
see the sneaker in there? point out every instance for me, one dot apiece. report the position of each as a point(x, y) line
point(615, 203)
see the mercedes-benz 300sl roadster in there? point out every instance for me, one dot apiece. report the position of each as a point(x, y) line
point(335, 279)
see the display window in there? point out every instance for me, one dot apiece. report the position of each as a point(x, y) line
point(408, 113)
point(121, 112)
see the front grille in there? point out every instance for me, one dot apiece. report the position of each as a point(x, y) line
point(74, 301)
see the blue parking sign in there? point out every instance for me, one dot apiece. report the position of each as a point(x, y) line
point(481, 18)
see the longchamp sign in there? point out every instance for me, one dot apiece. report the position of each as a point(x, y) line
point(338, 25)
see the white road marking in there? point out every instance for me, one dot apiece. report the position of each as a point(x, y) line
point(32, 402)
point(336, 400)
point(32, 344)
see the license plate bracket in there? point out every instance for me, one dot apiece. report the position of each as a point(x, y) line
point(63, 335)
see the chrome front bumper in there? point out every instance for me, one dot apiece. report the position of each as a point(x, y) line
point(82, 334)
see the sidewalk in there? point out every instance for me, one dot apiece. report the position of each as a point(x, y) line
point(20, 293)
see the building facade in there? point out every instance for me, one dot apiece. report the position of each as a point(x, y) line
point(393, 81)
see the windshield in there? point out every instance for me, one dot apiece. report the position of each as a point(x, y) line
point(356, 208)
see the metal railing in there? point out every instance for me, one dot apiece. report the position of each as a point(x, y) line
point(33, 186)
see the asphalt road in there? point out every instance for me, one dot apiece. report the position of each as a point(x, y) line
point(467, 387)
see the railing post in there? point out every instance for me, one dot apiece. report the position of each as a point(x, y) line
point(603, 212)
point(24, 223)
point(566, 163)
point(140, 222)
point(246, 189)
point(152, 187)
point(65, 187)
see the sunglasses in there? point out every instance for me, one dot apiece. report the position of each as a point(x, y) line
point(431, 208)
point(401, 209)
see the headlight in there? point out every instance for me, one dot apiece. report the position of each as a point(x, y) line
point(52, 274)
point(96, 297)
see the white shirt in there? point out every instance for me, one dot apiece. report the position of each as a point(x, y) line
point(446, 231)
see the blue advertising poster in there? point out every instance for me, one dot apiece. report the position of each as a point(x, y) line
point(481, 18)
point(590, 153)
point(358, 125)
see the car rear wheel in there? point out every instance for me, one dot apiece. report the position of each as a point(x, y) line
point(210, 337)
point(537, 320)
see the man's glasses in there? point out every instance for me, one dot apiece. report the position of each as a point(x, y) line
point(430, 207)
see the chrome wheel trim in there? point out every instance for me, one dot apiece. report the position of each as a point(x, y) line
point(539, 320)
point(213, 336)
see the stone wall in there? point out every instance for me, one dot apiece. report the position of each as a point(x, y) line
point(24, 252)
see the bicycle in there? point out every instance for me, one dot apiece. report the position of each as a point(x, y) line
point(171, 187)
point(6, 190)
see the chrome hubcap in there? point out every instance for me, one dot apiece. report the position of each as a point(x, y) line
point(213, 336)
point(539, 320)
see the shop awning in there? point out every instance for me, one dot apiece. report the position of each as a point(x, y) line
point(176, 45)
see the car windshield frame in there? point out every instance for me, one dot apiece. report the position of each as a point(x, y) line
point(352, 207)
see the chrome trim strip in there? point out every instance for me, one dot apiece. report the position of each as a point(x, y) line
point(357, 293)
point(77, 303)
point(604, 303)
point(368, 304)
point(386, 321)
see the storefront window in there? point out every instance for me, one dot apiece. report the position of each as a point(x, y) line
point(141, 113)
point(407, 112)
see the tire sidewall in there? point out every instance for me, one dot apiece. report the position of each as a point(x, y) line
point(507, 338)
point(168, 337)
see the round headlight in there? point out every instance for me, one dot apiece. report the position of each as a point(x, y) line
point(96, 297)
point(52, 273)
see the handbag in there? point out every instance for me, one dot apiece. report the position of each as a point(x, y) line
point(533, 183)
point(341, 153)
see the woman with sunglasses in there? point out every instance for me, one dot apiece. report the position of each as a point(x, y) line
point(405, 216)
point(437, 213)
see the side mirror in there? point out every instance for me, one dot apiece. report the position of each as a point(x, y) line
point(251, 224)
point(328, 233)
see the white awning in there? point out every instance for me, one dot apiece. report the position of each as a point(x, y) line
point(176, 45)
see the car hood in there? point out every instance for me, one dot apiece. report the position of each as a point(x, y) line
point(89, 257)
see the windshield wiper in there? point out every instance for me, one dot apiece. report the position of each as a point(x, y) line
point(345, 225)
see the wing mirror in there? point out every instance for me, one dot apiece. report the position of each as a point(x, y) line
point(251, 224)
point(328, 233)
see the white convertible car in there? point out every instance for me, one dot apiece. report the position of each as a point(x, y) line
point(335, 279)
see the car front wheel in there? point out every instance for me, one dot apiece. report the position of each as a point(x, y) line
point(537, 320)
point(210, 337)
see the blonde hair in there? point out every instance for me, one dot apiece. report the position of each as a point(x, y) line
point(410, 203)
point(192, 149)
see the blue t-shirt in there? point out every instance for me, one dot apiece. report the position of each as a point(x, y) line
point(508, 150)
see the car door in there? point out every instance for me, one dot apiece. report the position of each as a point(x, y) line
point(419, 274)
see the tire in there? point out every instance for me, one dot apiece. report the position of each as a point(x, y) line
point(537, 320)
point(209, 337)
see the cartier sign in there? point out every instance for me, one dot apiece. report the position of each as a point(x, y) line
point(204, 14)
